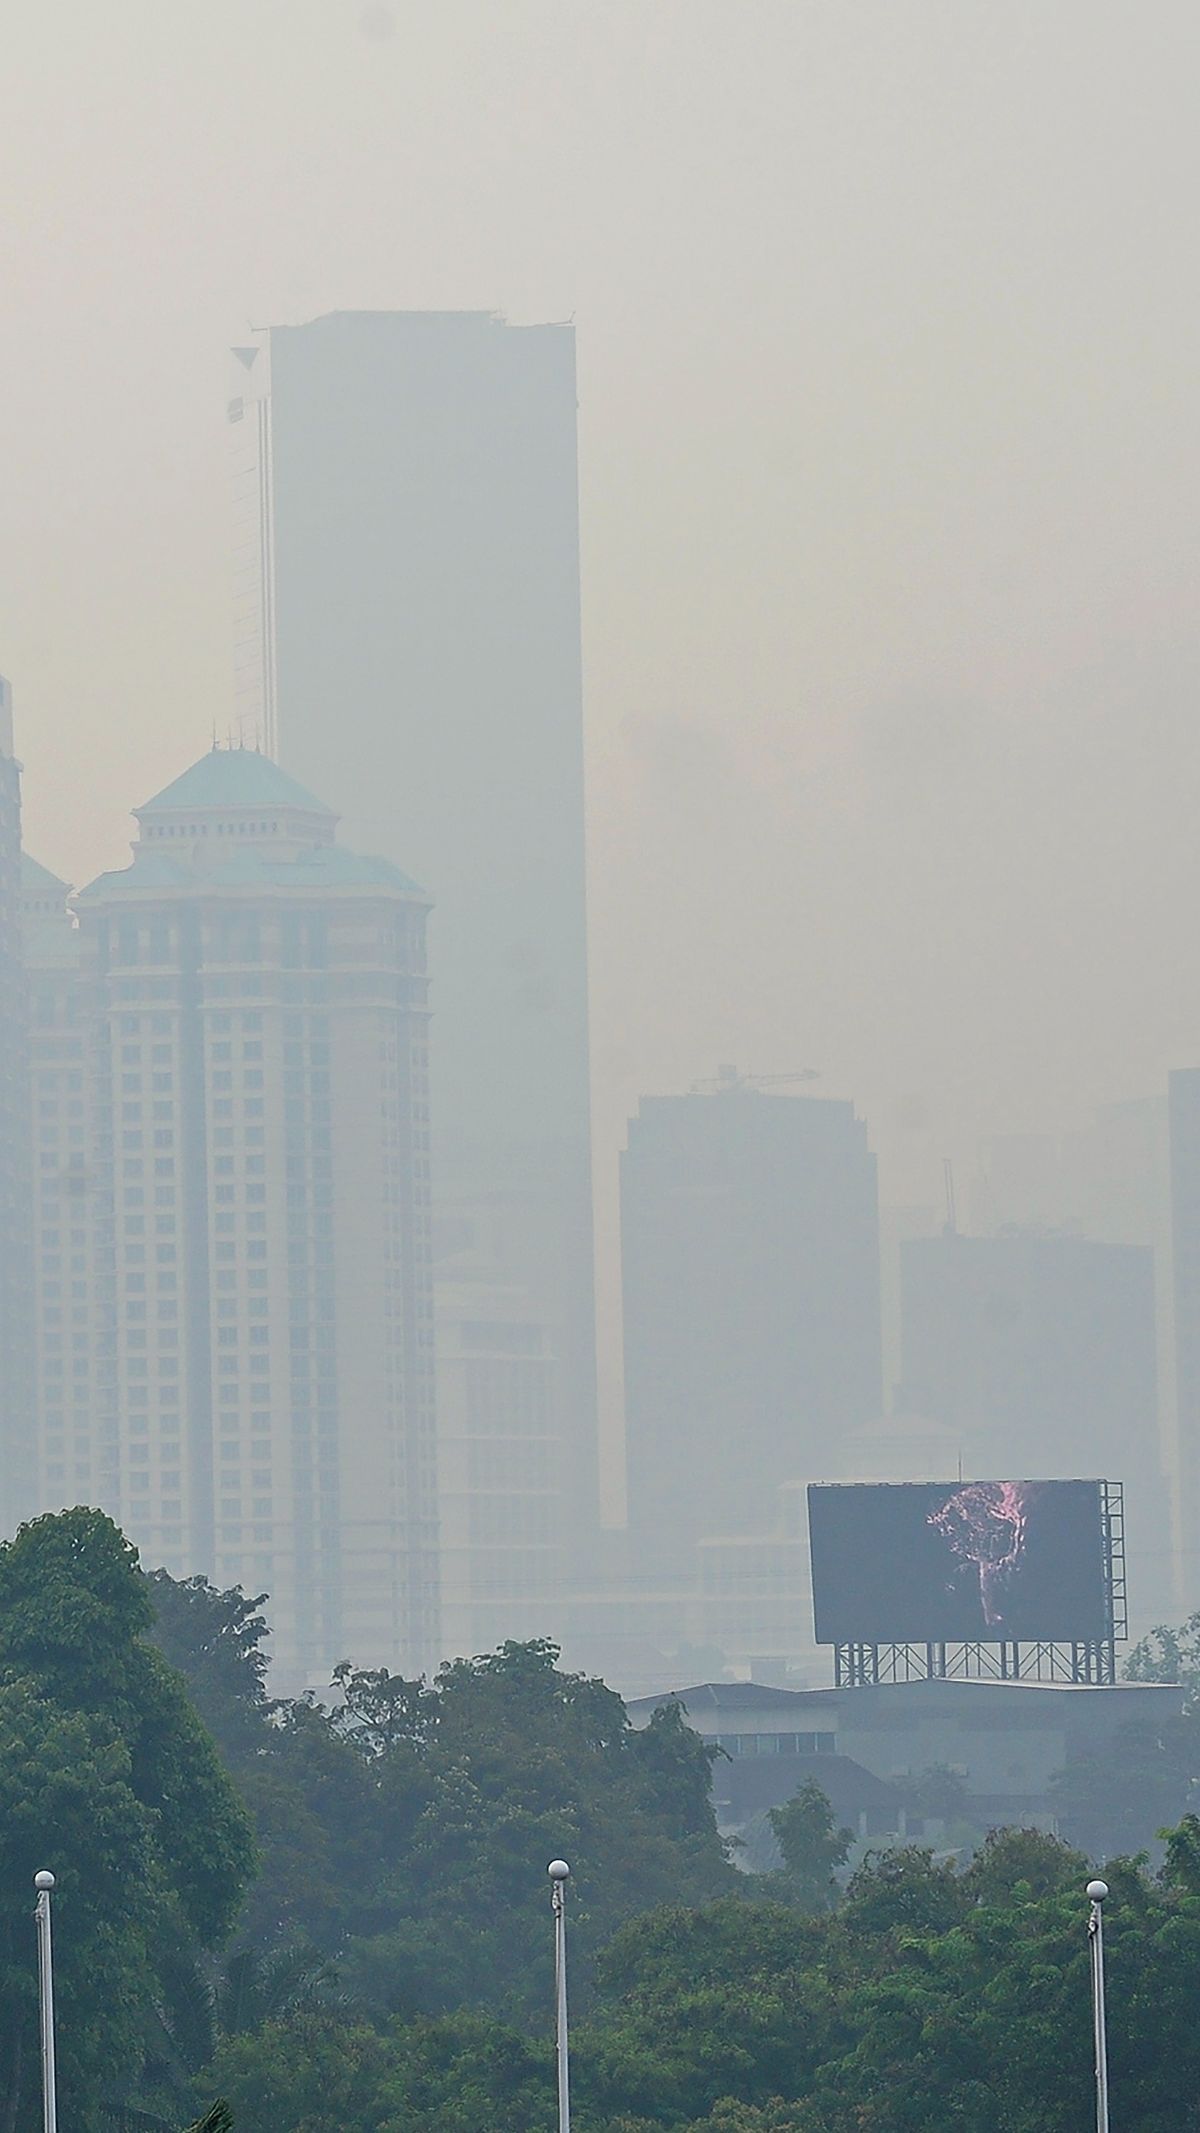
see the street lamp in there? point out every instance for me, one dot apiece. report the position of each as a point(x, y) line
point(43, 1883)
point(559, 1873)
point(1097, 1892)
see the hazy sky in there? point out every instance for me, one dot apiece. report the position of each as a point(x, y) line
point(887, 323)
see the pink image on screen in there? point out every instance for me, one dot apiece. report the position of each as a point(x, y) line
point(986, 1524)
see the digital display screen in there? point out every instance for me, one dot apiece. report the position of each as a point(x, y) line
point(945, 1561)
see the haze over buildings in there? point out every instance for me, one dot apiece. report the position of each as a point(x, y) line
point(18, 1480)
point(234, 1268)
point(889, 458)
point(424, 624)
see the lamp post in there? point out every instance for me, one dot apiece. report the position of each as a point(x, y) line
point(43, 1883)
point(1097, 1891)
point(559, 1873)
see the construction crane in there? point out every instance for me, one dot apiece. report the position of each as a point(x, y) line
point(728, 1078)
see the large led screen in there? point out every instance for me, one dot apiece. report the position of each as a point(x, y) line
point(936, 1562)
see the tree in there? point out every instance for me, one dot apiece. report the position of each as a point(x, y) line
point(215, 1641)
point(812, 1845)
point(1171, 1656)
point(74, 1613)
point(108, 1778)
point(67, 1802)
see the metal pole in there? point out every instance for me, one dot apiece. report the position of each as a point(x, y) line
point(559, 1873)
point(1097, 1891)
point(43, 1883)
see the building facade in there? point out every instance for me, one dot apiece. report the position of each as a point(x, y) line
point(750, 1242)
point(246, 1007)
point(1038, 1353)
point(1183, 1101)
point(17, 1451)
point(74, 1299)
point(420, 479)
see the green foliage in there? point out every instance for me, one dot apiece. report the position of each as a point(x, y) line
point(406, 1830)
point(393, 1968)
point(1170, 1655)
point(108, 1778)
point(67, 1803)
point(812, 1848)
point(214, 1640)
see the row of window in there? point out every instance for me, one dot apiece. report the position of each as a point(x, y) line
point(737, 1744)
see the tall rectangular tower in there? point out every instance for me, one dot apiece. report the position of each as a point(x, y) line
point(254, 999)
point(74, 1305)
point(18, 1477)
point(422, 597)
point(1183, 1105)
point(750, 1238)
point(1035, 1351)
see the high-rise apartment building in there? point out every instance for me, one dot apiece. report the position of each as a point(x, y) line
point(1184, 1116)
point(750, 1236)
point(1039, 1352)
point(420, 617)
point(238, 1031)
point(74, 1297)
point(17, 1460)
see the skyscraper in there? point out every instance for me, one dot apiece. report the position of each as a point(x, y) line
point(74, 1317)
point(255, 1177)
point(422, 602)
point(750, 1237)
point(17, 1465)
point(1184, 1115)
point(1039, 1352)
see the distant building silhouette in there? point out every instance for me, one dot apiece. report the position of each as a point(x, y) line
point(1184, 1114)
point(17, 1463)
point(1037, 1355)
point(74, 1278)
point(750, 1237)
point(238, 1031)
point(423, 608)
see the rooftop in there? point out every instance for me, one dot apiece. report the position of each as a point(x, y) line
point(234, 777)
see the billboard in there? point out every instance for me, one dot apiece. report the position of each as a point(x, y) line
point(952, 1561)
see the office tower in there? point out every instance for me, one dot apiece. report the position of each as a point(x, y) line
point(500, 1486)
point(1183, 1101)
point(253, 1000)
point(1038, 1352)
point(750, 1238)
point(74, 1307)
point(18, 1477)
point(422, 601)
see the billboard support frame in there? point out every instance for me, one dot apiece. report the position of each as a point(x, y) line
point(1089, 1663)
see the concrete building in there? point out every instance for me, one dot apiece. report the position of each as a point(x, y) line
point(1006, 1740)
point(74, 1316)
point(750, 1245)
point(1184, 1115)
point(17, 1444)
point(419, 472)
point(1038, 1354)
point(252, 1003)
point(500, 1480)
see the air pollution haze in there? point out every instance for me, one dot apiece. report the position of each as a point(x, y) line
point(888, 479)
point(599, 1063)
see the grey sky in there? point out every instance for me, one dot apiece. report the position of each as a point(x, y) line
point(887, 325)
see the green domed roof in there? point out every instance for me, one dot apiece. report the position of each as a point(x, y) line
point(234, 777)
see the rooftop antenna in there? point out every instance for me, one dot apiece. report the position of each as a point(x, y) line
point(729, 1078)
point(951, 1204)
